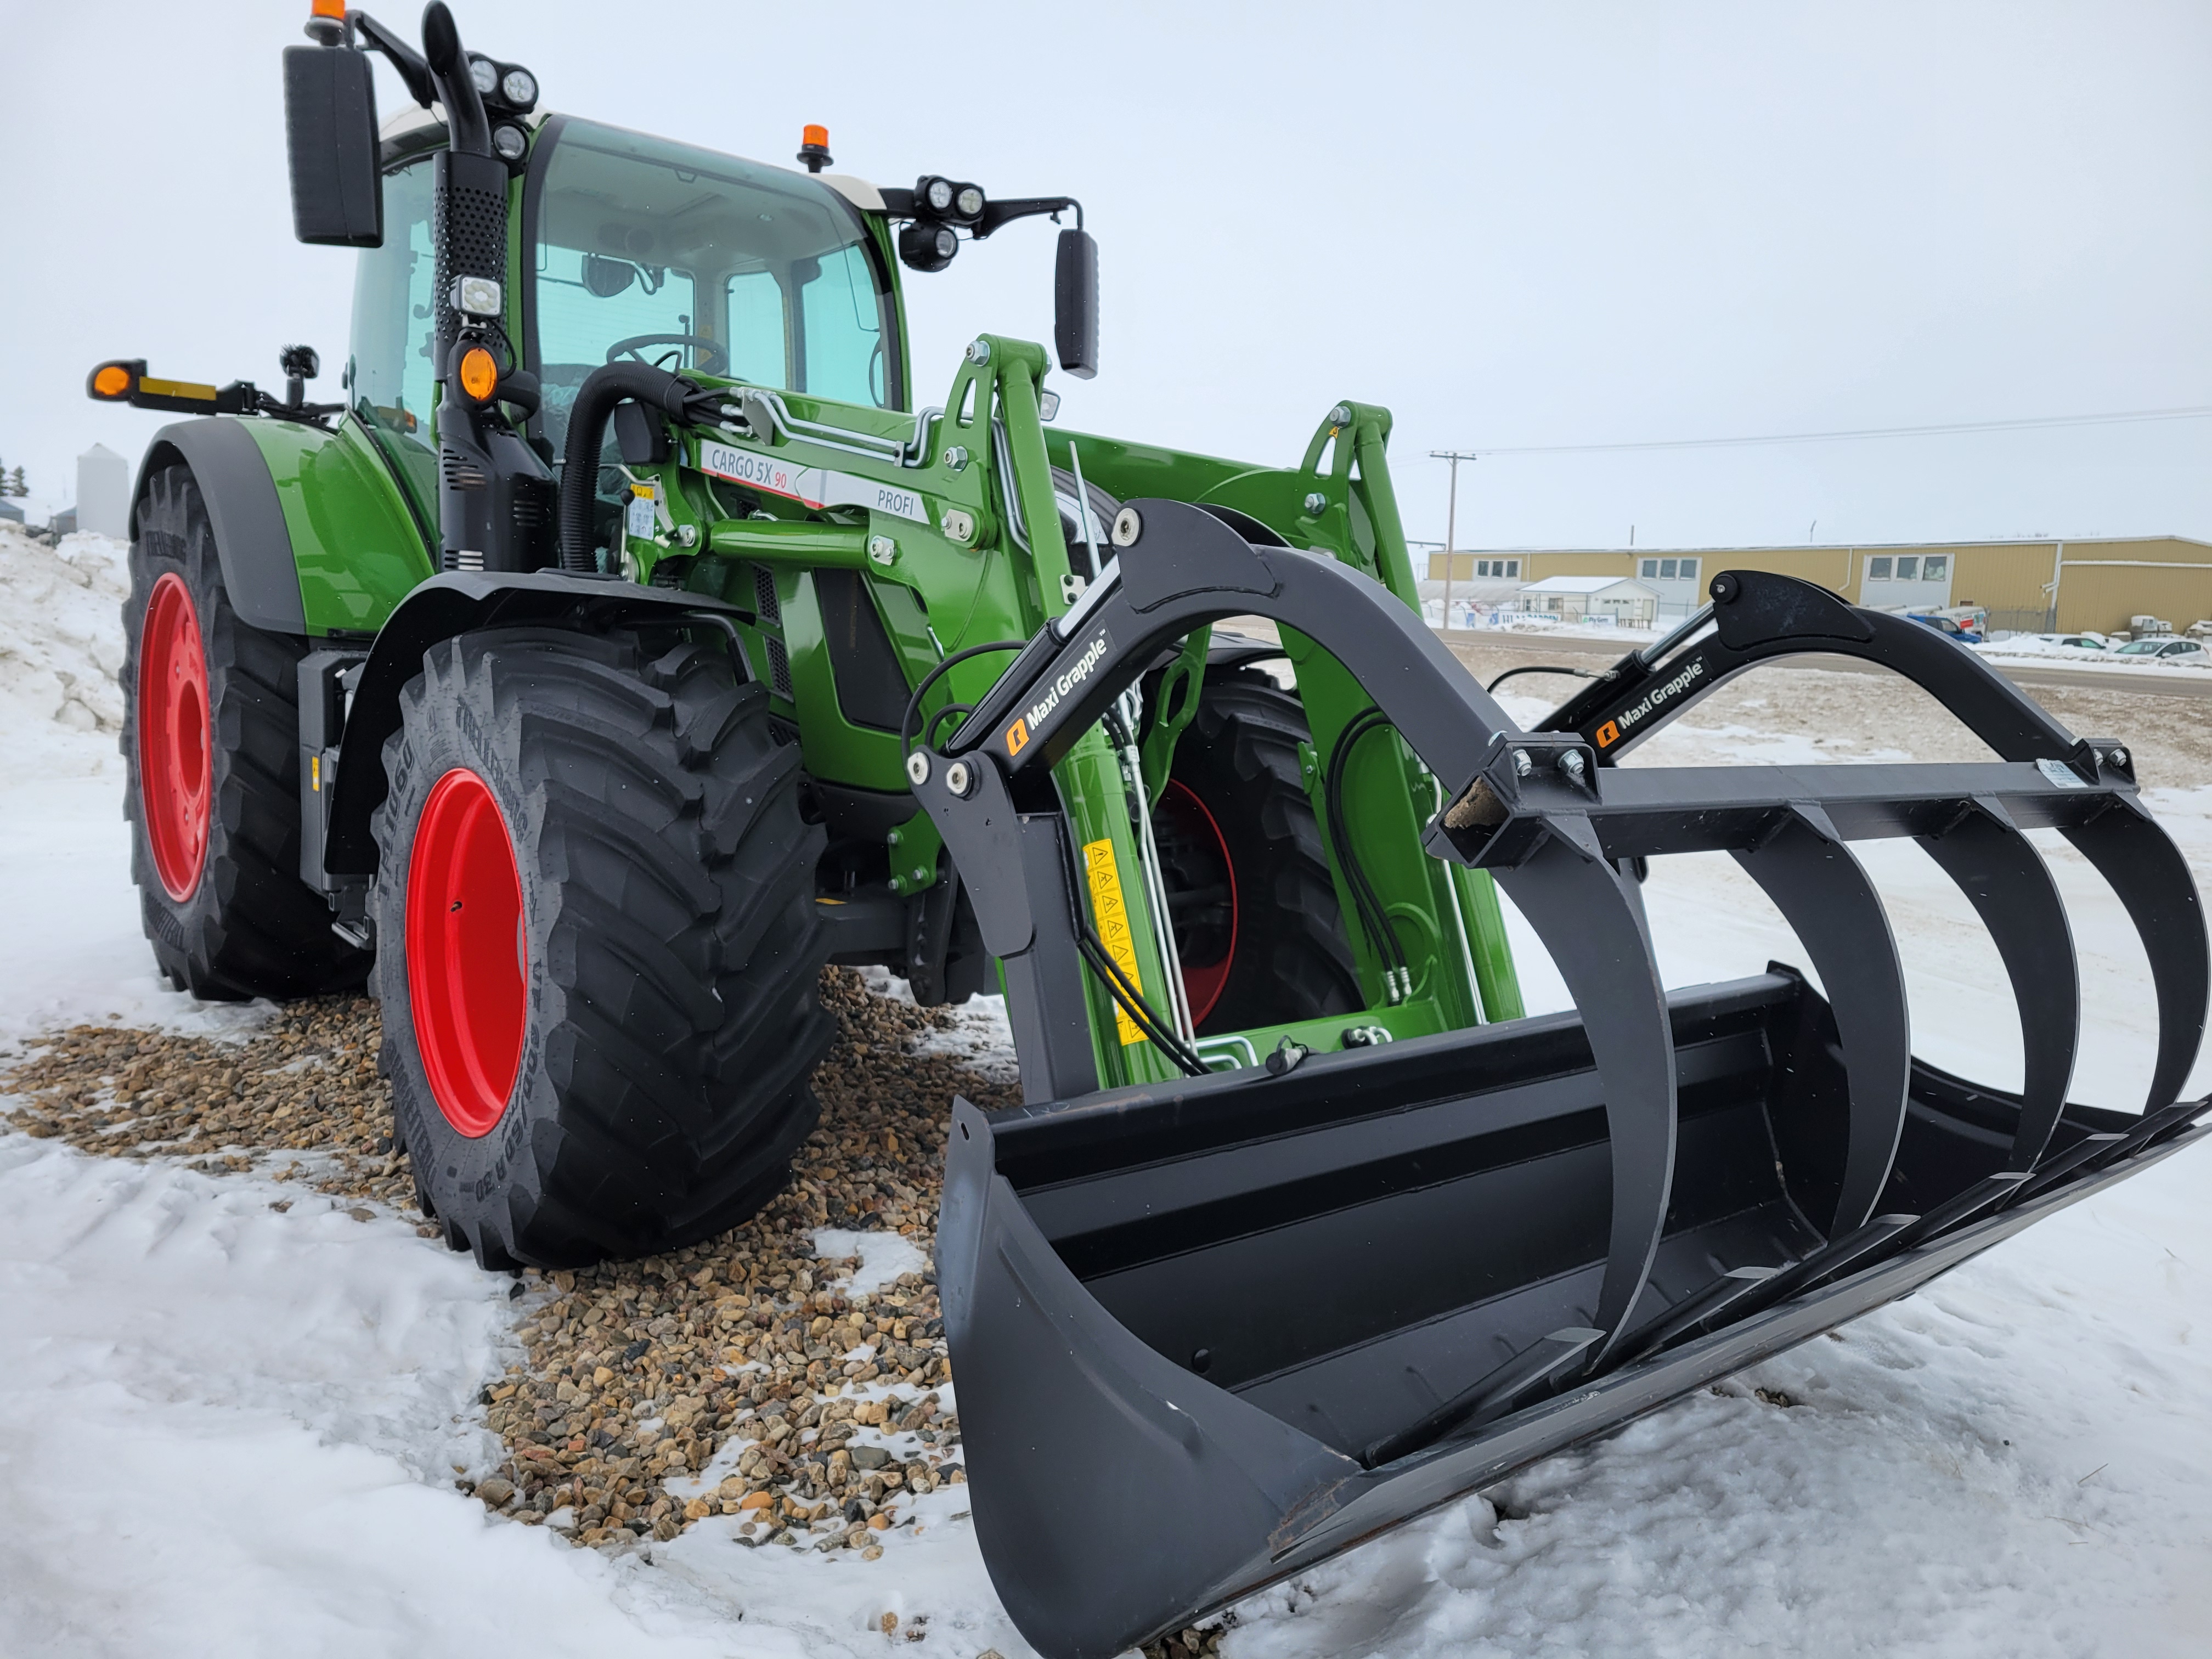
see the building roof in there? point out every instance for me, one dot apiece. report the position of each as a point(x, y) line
point(1839, 547)
point(1586, 585)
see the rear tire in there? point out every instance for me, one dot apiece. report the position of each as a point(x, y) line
point(598, 960)
point(211, 737)
point(1272, 948)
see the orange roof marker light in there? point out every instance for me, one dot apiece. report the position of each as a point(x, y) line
point(327, 22)
point(111, 382)
point(479, 374)
point(814, 147)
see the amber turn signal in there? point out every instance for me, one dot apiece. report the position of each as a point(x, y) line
point(479, 374)
point(111, 381)
point(327, 8)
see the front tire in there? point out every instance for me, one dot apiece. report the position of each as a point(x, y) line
point(211, 736)
point(1257, 921)
point(598, 952)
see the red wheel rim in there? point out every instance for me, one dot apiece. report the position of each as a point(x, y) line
point(466, 960)
point(1202, 986)
point(176, 750)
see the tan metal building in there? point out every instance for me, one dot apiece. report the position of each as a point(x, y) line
point(2029, 586)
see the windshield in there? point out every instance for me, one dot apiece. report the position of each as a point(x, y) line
point(689, 259)
point(2141, 648)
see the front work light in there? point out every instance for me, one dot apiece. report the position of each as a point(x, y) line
point(509, 140)
point(476, 296)
point(521, 87)
point(926, 245)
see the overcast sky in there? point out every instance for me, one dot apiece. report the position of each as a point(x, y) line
point(1511, 225)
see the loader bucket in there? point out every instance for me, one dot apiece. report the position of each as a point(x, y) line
point(1210, 1332)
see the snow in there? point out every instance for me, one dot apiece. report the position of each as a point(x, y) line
point(229, 1428)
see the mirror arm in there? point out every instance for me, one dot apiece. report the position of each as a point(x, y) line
point(996, 214)
point(403, 57)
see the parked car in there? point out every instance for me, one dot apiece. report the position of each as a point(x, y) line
point(2188, 653)
point(1947, 626)
point(2095, 642)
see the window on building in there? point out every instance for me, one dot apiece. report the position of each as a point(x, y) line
point(1649, 570)
point(1498, 566)
point(1936, 568)
point(1878, 569)
point(1687, 569)
point(1908, 569)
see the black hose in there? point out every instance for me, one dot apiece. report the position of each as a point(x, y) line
point(914, 703)
point(603, 389)
point(1540, 668)
point(1372, 914)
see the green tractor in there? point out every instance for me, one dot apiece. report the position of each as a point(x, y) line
point(630, 642)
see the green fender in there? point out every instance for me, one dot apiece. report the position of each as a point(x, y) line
point(313, 534)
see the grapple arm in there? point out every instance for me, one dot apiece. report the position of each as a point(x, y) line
point(1289, 1307)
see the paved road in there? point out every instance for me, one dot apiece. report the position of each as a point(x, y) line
point(1508, 649)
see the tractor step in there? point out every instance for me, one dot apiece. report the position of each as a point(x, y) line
point(1277, 1314)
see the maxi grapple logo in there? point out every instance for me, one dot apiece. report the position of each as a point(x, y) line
point(1030, 724)
point(1611, 731)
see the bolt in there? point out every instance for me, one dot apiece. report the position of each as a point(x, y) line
point(920, 875)
point(882, 549)
point(979, 351)
point(2118, 757)
point(687, 535)
point(1522, 766)
point(917, 768)
point(955, 459)
point(1571, 765)
point(1128, 526)
point(959, 779)
point(1316, 504)
point(1340, 415)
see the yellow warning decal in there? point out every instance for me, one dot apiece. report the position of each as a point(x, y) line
point(1113, 919)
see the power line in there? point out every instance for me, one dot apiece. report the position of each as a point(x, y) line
point(2032, 424)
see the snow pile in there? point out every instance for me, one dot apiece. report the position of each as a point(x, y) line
point(61, 648)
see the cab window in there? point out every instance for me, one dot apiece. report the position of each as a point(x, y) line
point(691, 260)
point(391, 377)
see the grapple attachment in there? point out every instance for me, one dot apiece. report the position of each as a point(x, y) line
point(1270, 1313)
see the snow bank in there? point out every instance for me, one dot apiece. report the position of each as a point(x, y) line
point(61, 648)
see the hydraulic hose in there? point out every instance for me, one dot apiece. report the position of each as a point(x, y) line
point(596, 400)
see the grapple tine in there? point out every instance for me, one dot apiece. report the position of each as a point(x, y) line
point(2001, 873)
point(2087, 1151)
point(1847, 1252)
point(1693, 1310)
point(1488, 1397)
point(1824, 895)
point(2152, 880)
point(1597, 939)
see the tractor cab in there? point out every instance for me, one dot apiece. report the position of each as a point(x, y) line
point(633, 248)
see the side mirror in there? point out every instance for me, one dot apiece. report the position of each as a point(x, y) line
point(1075, 303)
point(329, 131)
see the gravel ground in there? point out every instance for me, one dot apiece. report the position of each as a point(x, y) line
point(821, 1410)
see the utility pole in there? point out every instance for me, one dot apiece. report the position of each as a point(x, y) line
point(1451, 518)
